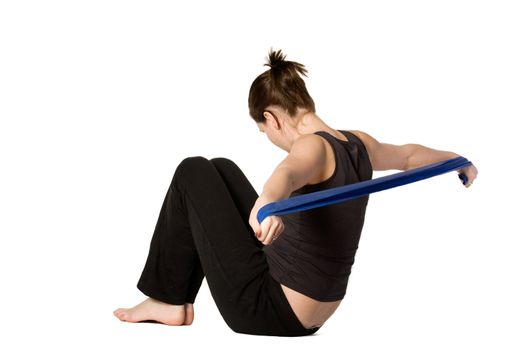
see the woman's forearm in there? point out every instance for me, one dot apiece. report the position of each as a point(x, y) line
point(421, 155)
point(279, 185)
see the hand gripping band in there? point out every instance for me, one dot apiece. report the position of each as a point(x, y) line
point(362, 188)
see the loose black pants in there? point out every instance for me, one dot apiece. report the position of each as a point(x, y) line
point(203, 230)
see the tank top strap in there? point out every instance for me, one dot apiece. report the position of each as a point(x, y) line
point(365, 164)
point(352, 137)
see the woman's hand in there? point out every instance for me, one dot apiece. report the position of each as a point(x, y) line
point(471, 172)
point(270, 228)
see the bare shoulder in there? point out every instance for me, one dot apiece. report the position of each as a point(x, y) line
point(308, 143)
point(307, 150)
point(307, 158)
point(384, 156)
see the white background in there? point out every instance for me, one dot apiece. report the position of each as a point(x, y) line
point(100, 101)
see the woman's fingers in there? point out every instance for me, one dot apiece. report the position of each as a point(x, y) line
point(271, 227)
point(275, 228)
point(271, 232)
point(264, 228)
point(267, 231)
point(471, 172)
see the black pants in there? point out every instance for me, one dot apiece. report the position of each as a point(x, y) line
point(203, 230)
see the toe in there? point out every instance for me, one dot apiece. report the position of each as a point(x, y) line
point(122, 314)
point(119, 311)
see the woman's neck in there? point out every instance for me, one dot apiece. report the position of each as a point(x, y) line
point(309, 123)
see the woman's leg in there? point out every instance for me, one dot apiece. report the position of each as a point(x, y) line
point(173, 272)
point(172, 268)
point(213, 201)
point(218, 199)
point(244, 197)
point(172, 254)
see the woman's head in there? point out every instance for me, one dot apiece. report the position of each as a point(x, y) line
point(280, 86)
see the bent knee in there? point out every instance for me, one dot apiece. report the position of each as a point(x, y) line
point(189, 167)
point(226, 166)
point(222, 161)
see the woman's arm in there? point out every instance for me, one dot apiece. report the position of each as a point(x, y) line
point(419, 155)
point(305, 163)
point(385, 156)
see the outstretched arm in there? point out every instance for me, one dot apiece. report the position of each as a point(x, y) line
point(385, 156)
point(419, 155)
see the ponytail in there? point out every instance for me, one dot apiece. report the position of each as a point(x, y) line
point(281, 85)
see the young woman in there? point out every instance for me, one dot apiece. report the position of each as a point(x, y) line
point(288, 275)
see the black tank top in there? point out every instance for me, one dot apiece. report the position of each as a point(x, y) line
point(315, 252)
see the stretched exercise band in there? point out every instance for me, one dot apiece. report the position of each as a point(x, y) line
point(358, 189)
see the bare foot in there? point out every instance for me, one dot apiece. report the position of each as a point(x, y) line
point(154, 310)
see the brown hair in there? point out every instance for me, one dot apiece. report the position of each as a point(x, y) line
point(280, 85)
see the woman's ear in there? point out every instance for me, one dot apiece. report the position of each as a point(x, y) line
point(272, 120)
point(267, 115)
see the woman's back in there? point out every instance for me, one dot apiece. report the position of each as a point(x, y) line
point(313, 257)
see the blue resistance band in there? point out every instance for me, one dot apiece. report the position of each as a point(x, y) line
point(358, 189)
